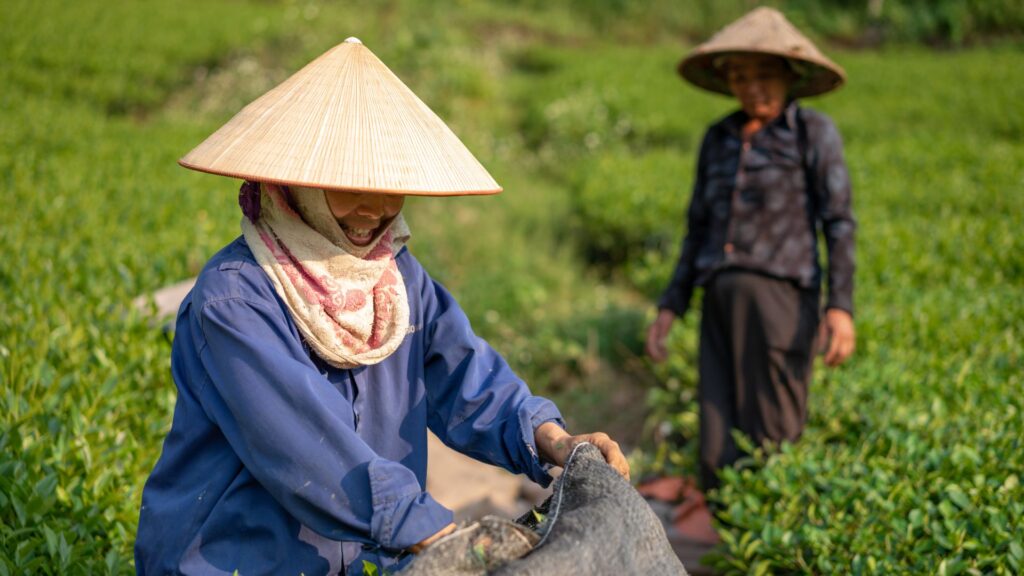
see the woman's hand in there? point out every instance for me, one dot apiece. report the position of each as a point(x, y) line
point(419, 547)
point(555, 446)
point(657, 333)
point(838, 329)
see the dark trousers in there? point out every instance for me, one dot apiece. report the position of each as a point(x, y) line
point(756, 353)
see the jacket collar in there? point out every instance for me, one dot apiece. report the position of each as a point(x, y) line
point(787, 119)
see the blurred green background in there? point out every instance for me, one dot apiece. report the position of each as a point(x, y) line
point(912, 459)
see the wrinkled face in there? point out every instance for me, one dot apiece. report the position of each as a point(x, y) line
point(761, 83)
point(363, 215)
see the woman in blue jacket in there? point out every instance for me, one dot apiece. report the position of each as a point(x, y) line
point(314, 351)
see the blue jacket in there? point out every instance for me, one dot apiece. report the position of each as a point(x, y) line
point(277, 463)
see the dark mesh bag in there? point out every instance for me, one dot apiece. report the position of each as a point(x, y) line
point(594, 523)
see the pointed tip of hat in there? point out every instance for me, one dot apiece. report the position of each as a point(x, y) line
point(766, 10)
point(767, 13)
point(353, 40)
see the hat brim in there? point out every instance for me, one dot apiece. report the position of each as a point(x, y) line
point(820, 77)
point(286, 182)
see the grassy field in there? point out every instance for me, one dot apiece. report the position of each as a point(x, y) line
point(912, 460)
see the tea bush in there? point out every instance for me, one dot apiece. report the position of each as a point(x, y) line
point(859, 22)
point(625, 201)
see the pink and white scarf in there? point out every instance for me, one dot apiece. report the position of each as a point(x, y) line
point(348, 301)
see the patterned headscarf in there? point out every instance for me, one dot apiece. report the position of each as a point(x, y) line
point(349, 302)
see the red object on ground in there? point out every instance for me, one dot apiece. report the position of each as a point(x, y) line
point(666, 488)
point(691, 517)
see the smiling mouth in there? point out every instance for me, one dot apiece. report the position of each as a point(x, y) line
point(359, 236)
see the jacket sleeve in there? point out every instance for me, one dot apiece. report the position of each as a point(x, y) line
point(292, 429)
point(833, 200)
point(680, 288)
point(476, 404)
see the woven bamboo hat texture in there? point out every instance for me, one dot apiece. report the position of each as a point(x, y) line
point(763, 31)
point(344, 122)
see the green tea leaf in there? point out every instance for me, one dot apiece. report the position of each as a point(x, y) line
point(956, 494)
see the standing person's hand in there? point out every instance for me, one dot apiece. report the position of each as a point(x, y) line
point(657, 333)
point(837, 329)
point(555, 445)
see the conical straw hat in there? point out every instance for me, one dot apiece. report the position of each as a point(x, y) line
point(763, 31)
point(344, 122)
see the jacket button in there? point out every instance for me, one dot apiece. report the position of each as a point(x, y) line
point(728, 248)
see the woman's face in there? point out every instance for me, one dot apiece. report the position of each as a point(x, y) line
point(761, 84)
point(361, 216)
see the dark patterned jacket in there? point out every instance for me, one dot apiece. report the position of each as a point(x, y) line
point(760, 207)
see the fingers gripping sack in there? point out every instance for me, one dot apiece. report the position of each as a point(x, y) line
point(594, 523)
